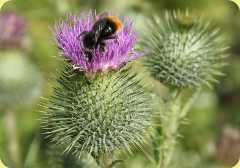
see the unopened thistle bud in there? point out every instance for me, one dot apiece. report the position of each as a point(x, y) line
point(20, 81)
point(183, 51)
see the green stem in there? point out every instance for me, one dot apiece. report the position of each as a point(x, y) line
point(11, 133)
point(103, 161)
point(190, 102)
point(174, 116)
point(106, 161)
point(170, 126)
point(32, 153)
point(114, 163)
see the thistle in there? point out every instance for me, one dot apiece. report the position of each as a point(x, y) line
point(184, 51)
point(13, 30)
point(184, 54)
point(118, 52)
point(98, 105)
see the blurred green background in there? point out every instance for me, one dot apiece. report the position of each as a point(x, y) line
point(211, 135)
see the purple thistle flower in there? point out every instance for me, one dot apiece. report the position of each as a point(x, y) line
point(117, 53)
point(12, 30)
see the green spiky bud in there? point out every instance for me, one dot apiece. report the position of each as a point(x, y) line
point(98, 114)
point(20, 81)
point(184, 51)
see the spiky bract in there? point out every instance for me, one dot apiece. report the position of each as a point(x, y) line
point(184, 51)
point(97, 115)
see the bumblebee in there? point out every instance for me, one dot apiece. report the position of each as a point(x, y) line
point(104, 29)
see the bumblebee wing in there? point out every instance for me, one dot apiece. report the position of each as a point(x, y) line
point(98, 27)
point(102, 15)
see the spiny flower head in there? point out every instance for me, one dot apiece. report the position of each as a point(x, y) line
point(117, 52)
point(12, 30)
point(184, 51)
point(97, 116)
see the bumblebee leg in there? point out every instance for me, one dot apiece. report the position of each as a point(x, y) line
point(82, 34)
point(102, 46)
point(111, 37)
point(60, 48)
point(88, 53)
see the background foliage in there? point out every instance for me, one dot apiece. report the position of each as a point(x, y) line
point(212, 131)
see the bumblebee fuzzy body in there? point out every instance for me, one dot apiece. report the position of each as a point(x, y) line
point(103, 29)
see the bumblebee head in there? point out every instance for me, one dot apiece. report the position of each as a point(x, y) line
point(116, 21)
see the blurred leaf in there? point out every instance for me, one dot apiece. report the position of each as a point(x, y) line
point(2, 165)
point(238, 164)
point(2, 2)
point(237, 2)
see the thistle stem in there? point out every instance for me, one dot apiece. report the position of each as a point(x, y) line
point(11, 133)
point(170, 124)
point(188, 105)
point(106, 161)
point(103, 161)
point(175, 115)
